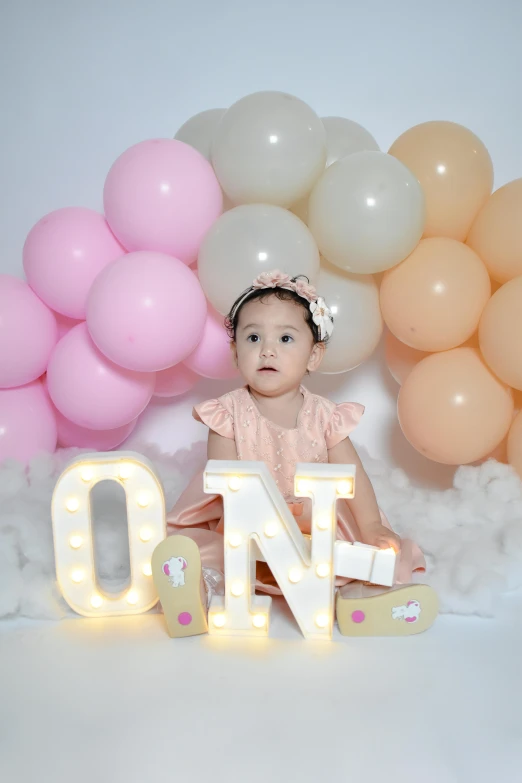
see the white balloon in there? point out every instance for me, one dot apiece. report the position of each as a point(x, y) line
point(269, 148)
point(199, 130)
point(358, 325)
point(248, 240)
point(367, 212)
point(344, 137)
point(300, 210)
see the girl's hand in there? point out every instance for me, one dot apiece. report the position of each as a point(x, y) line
point(383, 537)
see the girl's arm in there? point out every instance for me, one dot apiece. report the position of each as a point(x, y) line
point(219, 447)
point(364, 505)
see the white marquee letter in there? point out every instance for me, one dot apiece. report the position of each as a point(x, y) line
point(256, 516)
point(72, 529)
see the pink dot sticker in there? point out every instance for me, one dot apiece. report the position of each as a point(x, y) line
point(185, 618)
point(358, 616)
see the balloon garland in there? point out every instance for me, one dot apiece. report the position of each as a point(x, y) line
point(119, 307)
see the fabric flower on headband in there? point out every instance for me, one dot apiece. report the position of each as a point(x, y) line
point(321, 313)
point(274, 279)
point(305, 290)
point(277, 279)
point(322, 317)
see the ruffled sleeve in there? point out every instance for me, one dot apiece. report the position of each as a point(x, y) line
point(214, 414)
point(345, 417)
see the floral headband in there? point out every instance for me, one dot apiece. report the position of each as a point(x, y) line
point(321, 313)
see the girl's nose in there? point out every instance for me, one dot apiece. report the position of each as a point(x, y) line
point(267, 349)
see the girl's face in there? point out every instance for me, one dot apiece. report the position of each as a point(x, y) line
point(274, 346)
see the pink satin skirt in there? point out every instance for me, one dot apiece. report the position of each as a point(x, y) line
point(200, 517)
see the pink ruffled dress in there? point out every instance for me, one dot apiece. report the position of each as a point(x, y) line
point(321, 424)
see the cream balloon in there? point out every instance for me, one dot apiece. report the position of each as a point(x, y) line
point(452, 409)
point(344, 137)
point(455, 171)
point(300, 209)
point(354, 302)
point(366, 212)
point(199, 130)
point(270, 148)
point(248, 240)
point(496, 234)
point(500, 333)
point(434, 299)
point(400, 358)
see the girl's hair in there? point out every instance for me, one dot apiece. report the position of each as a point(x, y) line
point(284, 294)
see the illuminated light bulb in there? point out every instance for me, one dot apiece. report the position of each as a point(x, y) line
point(124, 471)
point(72, 505)
point(344, 487)
point(234, 483)
point(235, 540)
point(294, 575)
point(143, 499)
point(75, 542)
point(259, 620)
point(322, 570)
point(132, 598)
point(96, 601)
point(145, 534)
point(237, 589)
point(147, 569)
point(87, 474)
point(323, 523)
point(270, 529)
point(302, 485)
point(78, 575)
point(219, 620)
point(322, 620)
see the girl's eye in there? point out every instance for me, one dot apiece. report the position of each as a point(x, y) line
point(253, 338)
point(287, 338)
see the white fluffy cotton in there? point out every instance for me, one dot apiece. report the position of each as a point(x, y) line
point(470, 534)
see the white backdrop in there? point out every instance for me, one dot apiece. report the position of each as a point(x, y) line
point(80, 82)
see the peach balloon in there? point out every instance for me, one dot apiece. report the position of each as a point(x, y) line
point(496, 234)
point(455, 171)
point(500, 333)
point(500, 453)
point(434, 299)
point(452, 409)
point(514, 445)
point(400, 358)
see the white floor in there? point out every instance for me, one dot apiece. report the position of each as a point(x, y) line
point(116, 700)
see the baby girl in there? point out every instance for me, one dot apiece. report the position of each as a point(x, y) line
point(279, 330)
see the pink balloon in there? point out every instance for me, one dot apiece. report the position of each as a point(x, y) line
point(162, 195)
point(213, 357)
point(146, 311)
point(28, 333)
point(65, 324)
point(27, 422)
point(70, 434)
point(175, 381)
point(91, 391)
point(64, 252)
